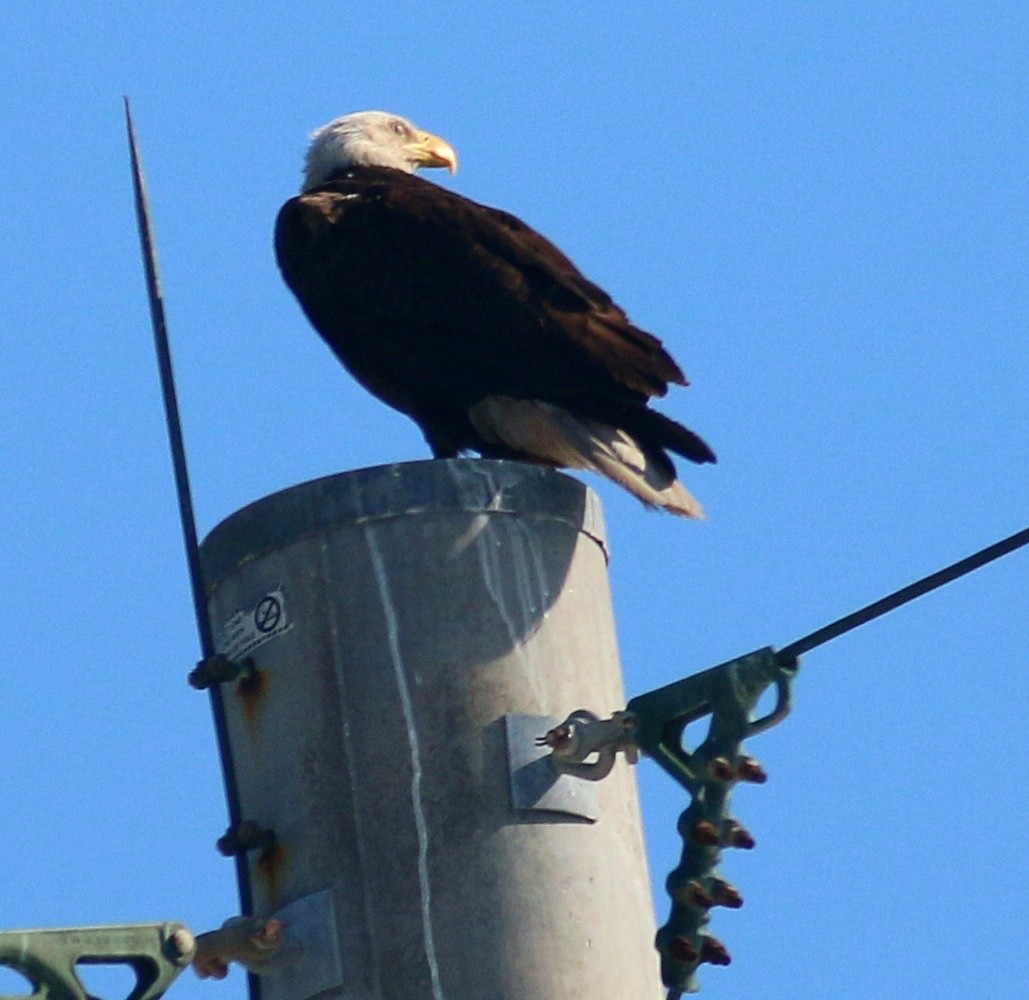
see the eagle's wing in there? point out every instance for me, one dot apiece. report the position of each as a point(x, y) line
point(457, 297)
point(585, 312)
point(481, 330)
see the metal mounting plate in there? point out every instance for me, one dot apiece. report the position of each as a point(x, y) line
point(311, 921)
point(535, 784)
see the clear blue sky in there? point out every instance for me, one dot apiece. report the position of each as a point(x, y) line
point(822, 210)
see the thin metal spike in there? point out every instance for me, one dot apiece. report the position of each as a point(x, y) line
point(171, 405)
point(186, 516)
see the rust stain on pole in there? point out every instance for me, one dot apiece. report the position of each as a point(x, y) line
point(271, 867)
point(251, 690)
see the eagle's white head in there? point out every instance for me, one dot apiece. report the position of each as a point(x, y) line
point(373, 139)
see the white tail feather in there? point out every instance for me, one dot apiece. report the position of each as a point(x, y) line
point(550, 434)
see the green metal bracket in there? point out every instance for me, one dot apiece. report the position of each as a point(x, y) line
point(156, 953)
point(728, 693)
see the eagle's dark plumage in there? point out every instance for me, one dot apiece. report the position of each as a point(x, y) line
point(469, 321)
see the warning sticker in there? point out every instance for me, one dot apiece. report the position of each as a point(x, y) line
point(252, 627)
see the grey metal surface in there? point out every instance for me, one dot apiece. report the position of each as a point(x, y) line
point(415, 606)
point(386, 491)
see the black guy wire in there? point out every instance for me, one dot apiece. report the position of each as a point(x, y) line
point(904, 595)
point(186, 516)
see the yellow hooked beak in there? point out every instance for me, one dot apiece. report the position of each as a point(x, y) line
point(431, 151)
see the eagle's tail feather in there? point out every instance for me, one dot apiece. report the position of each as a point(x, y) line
point(657, 429)
point(547, 433)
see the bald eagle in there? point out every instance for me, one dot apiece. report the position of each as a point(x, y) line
point(471, 322)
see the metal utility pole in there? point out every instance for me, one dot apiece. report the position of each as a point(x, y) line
point(384, 649)
point(413, 629)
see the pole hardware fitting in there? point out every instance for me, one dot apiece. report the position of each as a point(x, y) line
point(244, 837)
point(584, 735)
point(727, 695)
point(260, 946)
point(219, 669)
point(156, 953)
point(655, 724)
point(300, 940)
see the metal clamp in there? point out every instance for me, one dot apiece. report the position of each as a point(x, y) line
point(584, 735)
point(298, 943)
point(260, 946)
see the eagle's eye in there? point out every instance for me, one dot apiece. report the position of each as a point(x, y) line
point(400, 128)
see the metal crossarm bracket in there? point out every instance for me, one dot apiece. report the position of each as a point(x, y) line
point(586, 746)
point(156, 953)
point(728, 694)
point(655, 723)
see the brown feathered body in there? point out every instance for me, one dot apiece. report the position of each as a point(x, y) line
point(482, 331)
